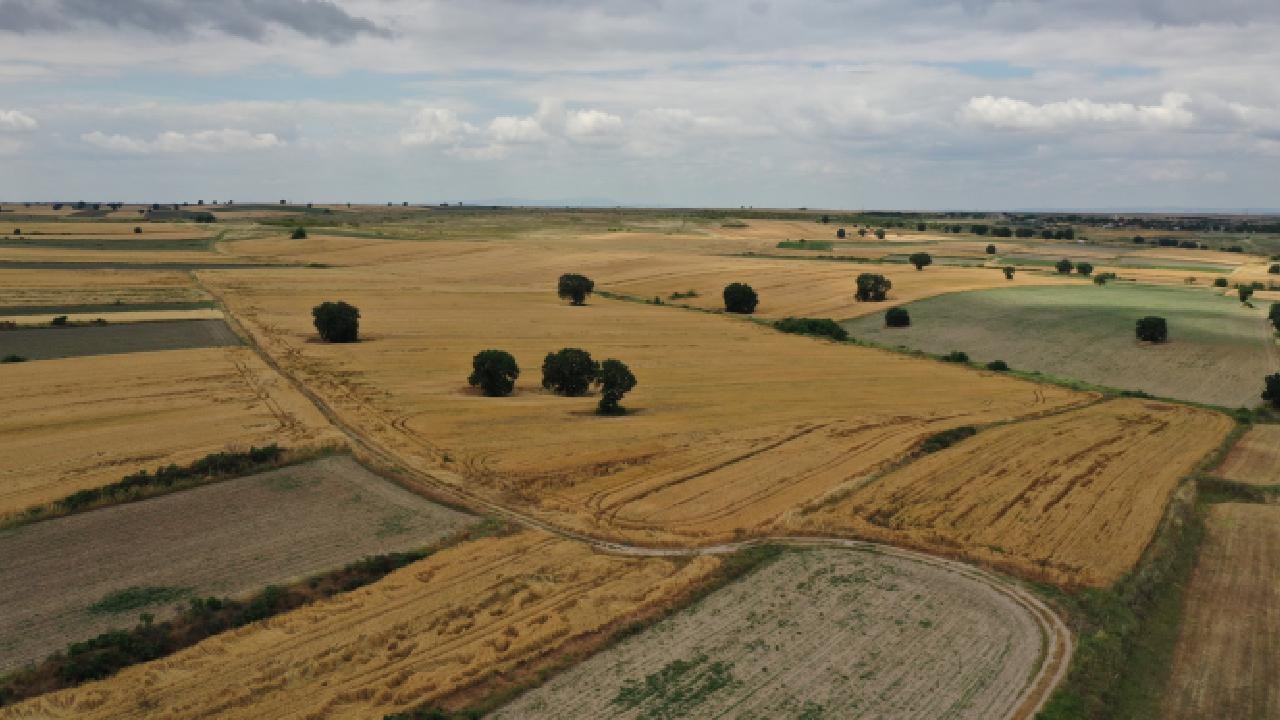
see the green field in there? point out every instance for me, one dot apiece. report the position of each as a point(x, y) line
point(1218, 350)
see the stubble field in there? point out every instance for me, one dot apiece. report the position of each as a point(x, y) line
point(1255, 458)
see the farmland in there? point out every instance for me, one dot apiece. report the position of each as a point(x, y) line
point(225, 539)
point(420, 634)
point(1255, 458)
point(1226, 659)
point(821, 633)
point(56, 288)
point(66, 342)
point(1069, 499)
point(81, 423)
point(1217, 353)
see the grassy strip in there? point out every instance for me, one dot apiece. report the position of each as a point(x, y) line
point(816, 327)
point(136, 598)
point(111, 652)
point(167, 479)
point(805, 245)
point(1127, 633)
point(494, 692)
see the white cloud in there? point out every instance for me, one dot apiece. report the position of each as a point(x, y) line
point(1010, 114)
point(436, 126)
point(508, 130)
point(592, 124)
point(16, 120)
point(210, 141)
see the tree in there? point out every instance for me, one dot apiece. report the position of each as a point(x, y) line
point(920, 260)
point(615, 380)
point(1064, 266)
point(998, 366)
point(569, 371)
point(1271, 393)
point(336, 322)
point(575, 287)
point(494, 372)
point(299, 233)
point(1002, 232)
point(897, 317)
point(826, 219)
point(1244, 293)
point(956, 356)
point(979, 229)
point(1152, 329)
point(1219, 282)
point(840, 234)
point(921, 227)
point(1274, 315)
point(991, 249)
point(1009, 270)
point(1274, 269)
point(1084, 268)
point(880, 233)
point(740, 298)
point(872, 288)
point(862, 232)
point(137, 230)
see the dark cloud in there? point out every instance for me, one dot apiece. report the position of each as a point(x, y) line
point(250, 19)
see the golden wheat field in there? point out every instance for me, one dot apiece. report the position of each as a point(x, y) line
point(426, 631)
point(1069, 499)
point(80, 423)
point(732, 424)
point(52, 287)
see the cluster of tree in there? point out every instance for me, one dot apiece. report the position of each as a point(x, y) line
point(568, 371)
point(872, 287)
point(818, 327)
point(337, 322)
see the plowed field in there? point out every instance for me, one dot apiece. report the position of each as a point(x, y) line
point(1255, 459)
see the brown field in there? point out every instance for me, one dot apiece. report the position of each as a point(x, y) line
point(46, 343)
point(1071, 499)
point(1255, 458)
point(733, 424)
point(830, 633)
point(423, 632)
point(1228, 653)
point(85, 422)
point(226, 540)
point(96, 287)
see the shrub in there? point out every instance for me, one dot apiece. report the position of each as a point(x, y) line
point(1024, 232)
point(897, 317)
point(615, 380)
point(956, 356)
point(991, 249)
point(1244, 293)
point(682, 295)
point(137, 230)
point(1139, 240)
point(575, 288)
point(872, 288)
point(337, 322)
point(1220, 282)
point(998, 366)
point(299, 233)
point(840, 234)
point(1064, 266)
point(920, 260)
point(1152, 329)
point(1003, 232)
point(740, 298)
point(1274, 269)
point(1084, 268)
point(494, 372)
point(12, 358)
point(818, 327)
point(1008, 270)
point(921, 227)
point(947, 438)
point(880, 233)
point(59, 321)
point(979, 229)
point(569, 371)
point(1274, 315)
point(1102, 278)
point(1271, 390)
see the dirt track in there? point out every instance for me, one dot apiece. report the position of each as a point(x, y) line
point(225, 539)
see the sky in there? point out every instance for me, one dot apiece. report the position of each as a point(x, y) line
point(853, 104)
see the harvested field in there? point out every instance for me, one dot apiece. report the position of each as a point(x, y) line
point(435, 627)
point(57, 288)
point(700, 460)
point(90, 309)
point(66, 342)
point(1228, 653)
point(823, 633)
point(1255, 459)
point(1218, 350)
point(226, 539)
point(114, 318)
point(1070, 499)
point(84, 422)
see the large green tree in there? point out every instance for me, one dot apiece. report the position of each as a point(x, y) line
point(615, 380)
point(494, 372)
point(872, 288)
point(336, 322)
point(575, 288)
point(569, 371)
point(740, 298)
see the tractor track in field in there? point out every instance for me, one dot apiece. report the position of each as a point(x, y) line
point(1059, 645)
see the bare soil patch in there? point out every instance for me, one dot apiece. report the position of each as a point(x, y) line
point(225, 539)
point(113, 339)
point(1255, 459)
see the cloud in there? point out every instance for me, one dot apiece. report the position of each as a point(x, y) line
point(436, 126)
point(16, 120)
point(206, 141)
point(507, 130)
point(592, 124)
point(248, 19)
point(1010, 114)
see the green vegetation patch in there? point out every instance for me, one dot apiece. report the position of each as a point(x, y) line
point(136, 598)
point(818, 327)
point(676, 690)
point(805, 245)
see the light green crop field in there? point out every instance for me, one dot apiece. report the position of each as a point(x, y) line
point(1218, 349)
